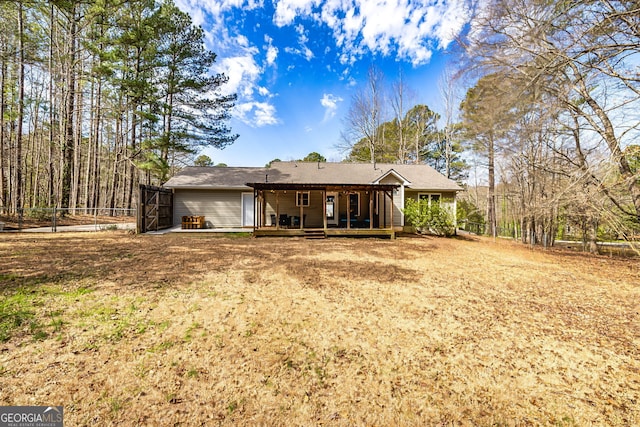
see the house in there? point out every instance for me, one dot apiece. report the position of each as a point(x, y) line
point(302, 198)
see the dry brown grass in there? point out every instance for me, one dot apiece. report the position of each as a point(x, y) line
point(203, 330)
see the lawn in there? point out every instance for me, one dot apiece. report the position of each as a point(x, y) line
point(202, 330)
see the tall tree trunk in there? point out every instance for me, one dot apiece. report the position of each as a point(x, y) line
point(491, 196)
point(3, 153)
point(77, 152)
point(95, 187)
point(69, 143)
point(51, 167)
point(35, 135)
point(20, 118)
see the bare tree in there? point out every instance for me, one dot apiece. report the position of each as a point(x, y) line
point(366, 114)
point(401, 98)
point(448, 87)
point(581, 56)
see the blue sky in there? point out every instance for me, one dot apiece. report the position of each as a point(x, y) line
point(295, 64)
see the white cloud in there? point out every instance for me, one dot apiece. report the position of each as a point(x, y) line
point(243, 73)
point(303, 50)
point(272, 54)
point(256, 114)
point(330, 104)
point(241, 61)
point(264, 91)
point(409, 28)
point(288, 10)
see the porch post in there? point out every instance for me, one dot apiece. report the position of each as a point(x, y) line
point(348, 211)
point(392, 209)
point(371, 210)
point(384, 209)
point(263, 206)
point(324, 209)
point(256, 219)
point(302, 208)
point(277, 210)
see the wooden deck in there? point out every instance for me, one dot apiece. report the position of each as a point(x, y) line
point(329, 232)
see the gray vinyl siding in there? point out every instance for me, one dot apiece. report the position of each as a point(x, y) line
point(221, 208)
point(398, 203)
point(287, 206)
point(448, 198)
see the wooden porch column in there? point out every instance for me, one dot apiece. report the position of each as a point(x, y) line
point(263, 205)
point(302, 209)
point(256, 209)
point(391, 208)
point(277, 210)
point(324, 209)
point(348, 211)
point(384, 209)
point(371, 210)
point(256, 217)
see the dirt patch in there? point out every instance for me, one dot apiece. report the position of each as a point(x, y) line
point(201, 330)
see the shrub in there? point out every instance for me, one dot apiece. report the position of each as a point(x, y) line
point(434, 217)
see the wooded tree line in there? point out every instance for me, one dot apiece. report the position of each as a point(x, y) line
point(552, 115)
point(98, 96)
point(555, 115)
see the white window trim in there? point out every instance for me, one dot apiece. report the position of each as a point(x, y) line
point(298, 198)
point(420, 195)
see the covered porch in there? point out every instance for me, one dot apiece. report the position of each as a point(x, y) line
point(321, 210)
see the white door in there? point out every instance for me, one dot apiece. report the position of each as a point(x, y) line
point(247, 209)
point(332, 208)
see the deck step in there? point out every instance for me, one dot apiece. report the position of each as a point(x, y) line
point(314, 234)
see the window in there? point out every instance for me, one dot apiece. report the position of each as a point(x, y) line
point(430, 198)
point(354, 204)
point(302, 198)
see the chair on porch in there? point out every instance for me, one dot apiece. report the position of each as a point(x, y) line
point(296, 221)
point(284, 220)
point(273, 220)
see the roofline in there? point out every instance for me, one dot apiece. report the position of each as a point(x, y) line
point(206, 187)
point(309, 186)
point(431, 189)
point(405, 181)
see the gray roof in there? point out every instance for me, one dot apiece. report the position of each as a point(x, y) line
point(419, 177)
point(216, 177)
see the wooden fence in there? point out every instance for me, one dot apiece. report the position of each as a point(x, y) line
point(156, 209)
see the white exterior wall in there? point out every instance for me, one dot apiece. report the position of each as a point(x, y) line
point(221, 208)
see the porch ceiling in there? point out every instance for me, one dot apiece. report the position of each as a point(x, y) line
point(327, 187)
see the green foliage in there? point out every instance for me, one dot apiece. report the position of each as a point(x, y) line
point(466, 211)
point(15, 312)
point(632, 154)
point(314, 157)
point(434, 217)
point(203, 161)
point(40, 214)
point(438, 149)
point(417, 131)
